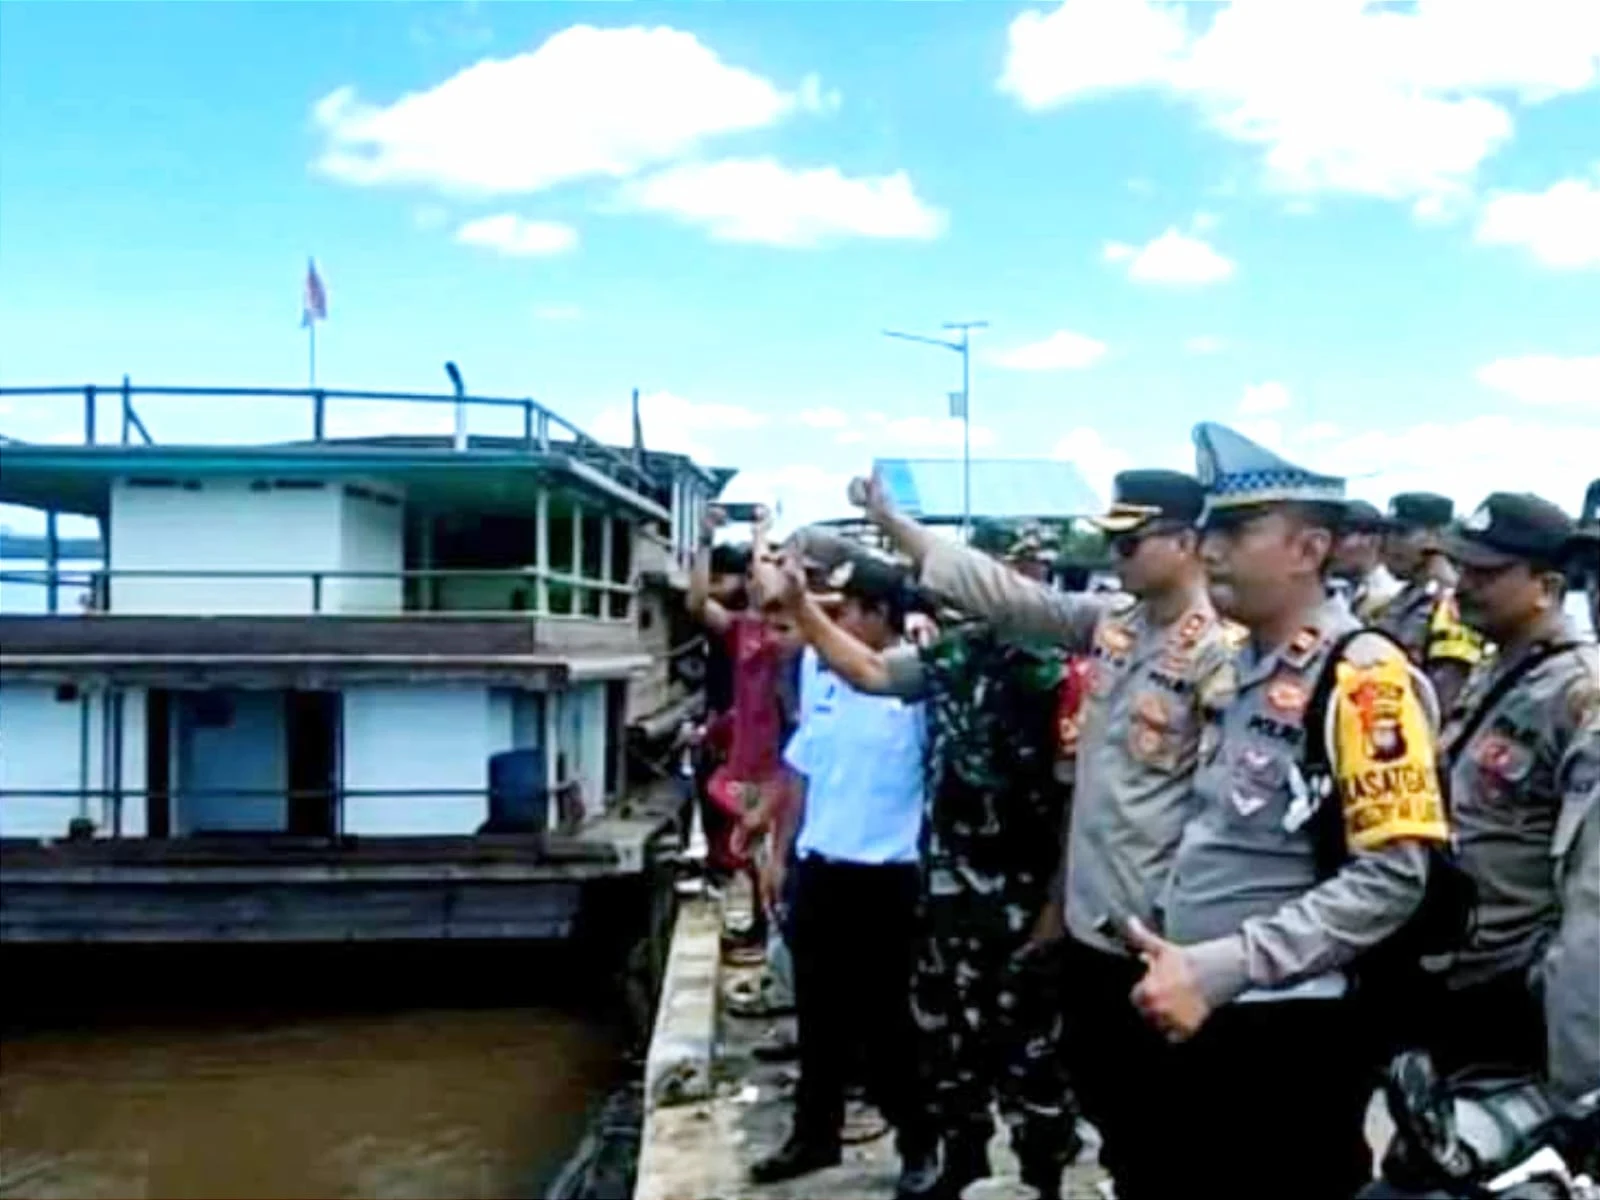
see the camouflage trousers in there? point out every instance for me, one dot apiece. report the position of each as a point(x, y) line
point(989, 1026)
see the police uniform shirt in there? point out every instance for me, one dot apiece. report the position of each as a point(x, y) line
point(1245, 897)
point(1572, 964)
point(1139, 728)
point(1505, 797)
point(1424, 618)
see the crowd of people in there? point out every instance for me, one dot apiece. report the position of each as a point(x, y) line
point(1190, 860)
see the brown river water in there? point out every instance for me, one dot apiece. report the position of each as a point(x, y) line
point(412, 1077)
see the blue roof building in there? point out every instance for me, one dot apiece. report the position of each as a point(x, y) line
point(1039, 489)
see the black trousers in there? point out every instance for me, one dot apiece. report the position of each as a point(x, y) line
point(1269, 1100)
point(1120, 1068)
point(1496, 1023)
point(854, 931)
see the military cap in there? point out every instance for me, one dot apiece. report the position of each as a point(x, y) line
point(1586, 543)
point(1361, 517)
point(1421, 510)
point(1509, 528)
point(1238, 474)
point(1032, 542)
point(1139, 498)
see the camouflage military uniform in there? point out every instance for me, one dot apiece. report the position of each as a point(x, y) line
point(991, 1022)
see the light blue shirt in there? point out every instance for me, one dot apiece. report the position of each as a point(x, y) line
point(861, 756)
point(813, 676)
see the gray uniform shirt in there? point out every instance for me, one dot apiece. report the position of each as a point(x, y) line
point(1505, 795)
point(1139, 729)
point(1245, 893)
point(1572, 964)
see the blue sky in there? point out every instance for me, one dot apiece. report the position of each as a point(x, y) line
point(1368, 236)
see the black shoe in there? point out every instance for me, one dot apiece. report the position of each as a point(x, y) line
point(919, 1175)
point(1046, 1183)
point(964, 1162)
point(796, 1158)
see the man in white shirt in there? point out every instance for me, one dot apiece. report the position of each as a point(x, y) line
point(855, 896)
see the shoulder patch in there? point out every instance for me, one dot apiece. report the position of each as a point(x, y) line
point(1370, 649)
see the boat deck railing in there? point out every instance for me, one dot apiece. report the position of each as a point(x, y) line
point(541, 430)
point(106, 809)
point(514, 592)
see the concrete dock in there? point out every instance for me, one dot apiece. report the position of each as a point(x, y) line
point(711, 1109)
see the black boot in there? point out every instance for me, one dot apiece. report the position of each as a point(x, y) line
point(1044, 1178)
point(965, 1160)
point(798, 1156)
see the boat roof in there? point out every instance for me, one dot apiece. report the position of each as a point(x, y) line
point(487, 473)
point(78, 479)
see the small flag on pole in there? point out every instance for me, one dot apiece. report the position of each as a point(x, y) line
point(958, 405)
point(315, 304)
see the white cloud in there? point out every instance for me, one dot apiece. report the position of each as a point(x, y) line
point(824, 418)
point(1173, 258)
point(1204, 344)
point(1259, 399)
point(587, 103)
point(1094, 457)
point(511, 234)
point(763, 201)
point(1090, 46)
point(1546, 380)
point(1061, 351)
point(1559, 226)
point(1466, 460)
point(556, 312)
point(1338, 95)
point(677, 425)
point(801, 493)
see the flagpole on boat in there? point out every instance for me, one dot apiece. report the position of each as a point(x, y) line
point(311, 337)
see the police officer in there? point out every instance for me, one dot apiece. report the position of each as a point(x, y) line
point(990, 1022)
point(1423, 617)
point(1270, 1079)
point(1160, 660)
point(1515, 723)
point(1358, 562)
point(1572, 964)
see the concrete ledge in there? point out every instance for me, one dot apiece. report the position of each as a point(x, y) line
point(678, 1067)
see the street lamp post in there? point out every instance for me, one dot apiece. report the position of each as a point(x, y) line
point(962, 347)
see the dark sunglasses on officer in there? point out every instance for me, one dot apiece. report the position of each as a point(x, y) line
point(1126, 545)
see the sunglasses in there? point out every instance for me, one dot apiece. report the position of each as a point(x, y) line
point(1127, 544)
